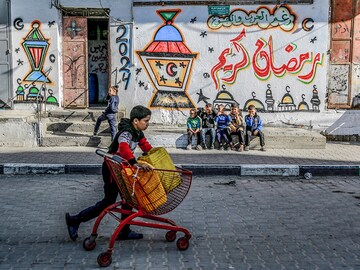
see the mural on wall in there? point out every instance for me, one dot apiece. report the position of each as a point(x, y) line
point(263, 60)
point(122, 73)
point(168, 63)
point(270, 56)
point(33, 86)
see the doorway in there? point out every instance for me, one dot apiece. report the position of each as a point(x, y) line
point(98, 61)
point(85, 58)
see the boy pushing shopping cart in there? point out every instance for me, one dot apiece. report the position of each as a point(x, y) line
point(151, 191)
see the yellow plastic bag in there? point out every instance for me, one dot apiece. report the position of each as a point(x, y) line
point(160, 159)
point(147, 187)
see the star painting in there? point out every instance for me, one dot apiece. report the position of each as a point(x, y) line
point(202, 97)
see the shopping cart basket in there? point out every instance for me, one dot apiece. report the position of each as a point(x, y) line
point(145, 193)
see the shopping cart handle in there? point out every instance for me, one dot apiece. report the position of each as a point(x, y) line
point(105, 154)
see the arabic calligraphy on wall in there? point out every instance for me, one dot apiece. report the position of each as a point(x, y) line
point(263, 61)
point(280, 16)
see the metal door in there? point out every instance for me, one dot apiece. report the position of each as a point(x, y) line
point(344, 52)
point(75, 62)
point(5, 74)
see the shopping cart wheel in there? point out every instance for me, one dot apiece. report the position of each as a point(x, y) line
point(170, 236)
point(89, 244)
point(104, 259)
point(182, 243)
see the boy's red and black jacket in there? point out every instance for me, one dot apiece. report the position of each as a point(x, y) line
point(126, 141)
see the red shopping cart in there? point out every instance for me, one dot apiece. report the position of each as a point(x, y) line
point(150, 194)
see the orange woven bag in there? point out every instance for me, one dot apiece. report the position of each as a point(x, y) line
point(146, 186)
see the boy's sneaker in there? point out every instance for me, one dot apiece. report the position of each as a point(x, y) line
point(188, 147)
point(198, 147)
point(212, 147)
point(72, 227)
point(247, 148)
point(221, 148)
point(204, 147)
point(227, 147)
point(262, 148)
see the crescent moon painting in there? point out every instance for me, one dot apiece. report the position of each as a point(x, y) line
point(305, 24)
point(170, 69)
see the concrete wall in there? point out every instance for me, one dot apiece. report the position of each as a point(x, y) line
point(276, 60)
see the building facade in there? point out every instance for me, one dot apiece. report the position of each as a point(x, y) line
point(293, 61)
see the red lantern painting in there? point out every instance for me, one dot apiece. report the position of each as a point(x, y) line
point(168, 63)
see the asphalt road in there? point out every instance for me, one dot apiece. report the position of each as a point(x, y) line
point(236, 223)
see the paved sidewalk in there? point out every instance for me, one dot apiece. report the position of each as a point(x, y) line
point(336, 158)
point(269, 223)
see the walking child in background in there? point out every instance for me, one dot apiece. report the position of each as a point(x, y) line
point(207, 116)
point(222, 121)
point(253, 128)
point(236, 127)
point(130, 136)
point(110, 112)
point(193, 129)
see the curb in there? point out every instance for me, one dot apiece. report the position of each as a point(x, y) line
point(197, 169)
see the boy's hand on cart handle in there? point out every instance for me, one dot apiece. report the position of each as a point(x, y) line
point(144, 167)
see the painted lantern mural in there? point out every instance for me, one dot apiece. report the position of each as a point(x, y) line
point(36, 46)
point(168, 63)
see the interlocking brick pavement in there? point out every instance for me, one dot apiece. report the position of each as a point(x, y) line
point(236, 222)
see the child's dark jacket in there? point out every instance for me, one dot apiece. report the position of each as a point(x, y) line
point(126, 141)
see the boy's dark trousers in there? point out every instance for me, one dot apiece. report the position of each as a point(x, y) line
point(111, 192)
point(190, 135)
point(250, 133)
point(222, 133)
point(240, 134)
point(111, 118)
point(205, 131)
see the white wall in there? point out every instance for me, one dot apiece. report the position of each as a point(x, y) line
point(207, 76)
point(209, 73)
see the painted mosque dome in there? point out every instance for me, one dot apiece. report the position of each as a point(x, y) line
point(257, 103)
point(34, 93)
point(20, 90)
point(303, 106)
point(51, 99)
point(226, 99)
point(287, 102)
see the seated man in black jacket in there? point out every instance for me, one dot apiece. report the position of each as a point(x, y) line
point(207, 116)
